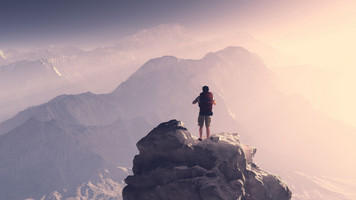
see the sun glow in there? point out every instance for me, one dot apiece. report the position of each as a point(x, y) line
point(325, 39)
point(333, 49)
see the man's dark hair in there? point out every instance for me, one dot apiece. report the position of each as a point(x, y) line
point(205, 88)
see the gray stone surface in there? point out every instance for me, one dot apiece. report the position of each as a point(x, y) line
point(173, 164)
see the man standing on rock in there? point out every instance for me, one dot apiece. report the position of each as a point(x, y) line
point(206, 102)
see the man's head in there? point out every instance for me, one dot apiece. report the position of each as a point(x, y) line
point(205, 88)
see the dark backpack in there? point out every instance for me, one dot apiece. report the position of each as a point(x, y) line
point(206, 101)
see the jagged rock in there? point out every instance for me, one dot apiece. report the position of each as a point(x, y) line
point(172, 165)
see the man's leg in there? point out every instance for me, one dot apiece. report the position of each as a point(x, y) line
point(200, 124)
point(207, 124)
point(207, 132)
point(200, 132)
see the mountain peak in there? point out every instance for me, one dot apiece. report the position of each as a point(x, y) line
point(166, 60)
point(173, 163)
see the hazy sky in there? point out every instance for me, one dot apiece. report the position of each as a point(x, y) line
point(30, 22)
point(37, 22)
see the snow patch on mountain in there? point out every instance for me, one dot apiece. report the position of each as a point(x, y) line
point(56, 70)
point(2, 54)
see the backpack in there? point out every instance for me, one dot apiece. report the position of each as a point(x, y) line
point(206, 101)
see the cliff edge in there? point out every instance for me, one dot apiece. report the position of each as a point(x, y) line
point(173, 165)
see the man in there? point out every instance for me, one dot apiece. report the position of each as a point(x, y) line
point(206, 102)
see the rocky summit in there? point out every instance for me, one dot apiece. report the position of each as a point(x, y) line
point(173, 165)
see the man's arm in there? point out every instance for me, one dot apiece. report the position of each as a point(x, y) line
point(196, 100)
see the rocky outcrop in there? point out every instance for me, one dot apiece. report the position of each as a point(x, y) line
point(173, 164)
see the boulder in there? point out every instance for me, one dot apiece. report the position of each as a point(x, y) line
point(173, 165)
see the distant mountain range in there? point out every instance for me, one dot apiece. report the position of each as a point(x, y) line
point(77, 139)
point(100, 70)
point(26, 83)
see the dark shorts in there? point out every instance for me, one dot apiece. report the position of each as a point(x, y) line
point(204, 118)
